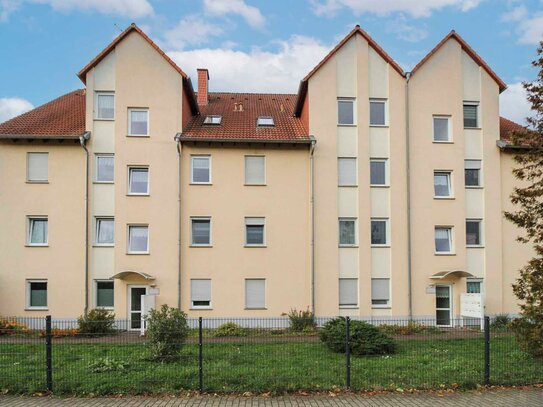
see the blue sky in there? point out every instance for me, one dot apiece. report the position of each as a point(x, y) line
point(251, 45)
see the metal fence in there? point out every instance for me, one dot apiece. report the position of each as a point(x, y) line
point(259, 355)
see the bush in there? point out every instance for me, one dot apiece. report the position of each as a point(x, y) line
point(366, 339)
point(230, 329)
point(301, 321)
point(11, 326)
point(501, 322)
point(410, 329)
point(97, 322)
point(107, 364)
point(167, 331)
point(59, 333)
point(529, 335)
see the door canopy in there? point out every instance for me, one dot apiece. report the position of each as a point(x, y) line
point(451, 274)
point(123, 275)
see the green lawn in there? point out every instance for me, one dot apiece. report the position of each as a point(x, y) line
point(257, 367)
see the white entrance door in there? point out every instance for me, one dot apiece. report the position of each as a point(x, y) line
point(135, 292)
point(443, 305)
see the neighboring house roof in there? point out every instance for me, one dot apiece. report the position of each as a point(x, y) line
point(507, 126)
point(62, 118)
point(241, 125)
point(468, 50)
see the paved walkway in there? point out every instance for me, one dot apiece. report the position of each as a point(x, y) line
point(500, 398)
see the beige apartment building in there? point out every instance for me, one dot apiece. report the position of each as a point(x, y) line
point(372, 192)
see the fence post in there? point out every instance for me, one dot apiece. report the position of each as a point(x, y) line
point(348, 352)
point(487, 350)
point(200, 361)
point(48, 354)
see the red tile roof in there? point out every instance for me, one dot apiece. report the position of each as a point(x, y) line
point(63, 117)
point(507, 126)
point(241, 125)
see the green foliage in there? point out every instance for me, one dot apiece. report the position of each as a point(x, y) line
point(501, 322)
point(11, 326)
point(301, 321)
point(97, 322)
point(108, 364)
point(411, 328)
point(366, 339)
point(166, 333)
point(230, 329)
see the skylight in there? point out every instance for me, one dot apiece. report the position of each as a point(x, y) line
point(265, 121)
point(213, 120)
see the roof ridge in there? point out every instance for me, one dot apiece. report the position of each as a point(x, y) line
point(252, 93)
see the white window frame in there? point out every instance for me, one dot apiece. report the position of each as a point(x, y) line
point(385, 103)
point(192, 157)
point(138, 109)
point(265, 296)
point(449, 174)
point(353, 102)
point(96, 168)
point(346, 218)
point(97, 221)
point(449, 129)
point(208, 218)
point(349, 306)
point(209, 120)
point(96, 293)
point(36, 181)
point(481, 234)
point(475, 280)
point(478, 105)
point(387, 179)
point(97, 94)
point(140, 225)
point(245, 169)
point(451, 240)
point(139, 167)
point(387, 231)
point(263, 224)
point(387, 305)
point(260, 121)
point(355, 183)
point(29, 226)
point(480, 174)
point(28, 296)
point(210, 306)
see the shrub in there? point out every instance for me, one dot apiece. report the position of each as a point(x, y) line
point(11, 326)
point(107, 364)
point(410, 329)
point(301, 321)
point(230, 329)
point(60, 333)
point(529, 335)
point(97, 322)
point(366, 339)
point(166, 333)
point(501, 322)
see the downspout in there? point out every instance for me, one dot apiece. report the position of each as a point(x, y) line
point(312, 215)
point(177, 139)
point(82, 140)
point(408, 175)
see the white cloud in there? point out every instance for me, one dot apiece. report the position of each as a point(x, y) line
point(11, 107)
point(191, 30)
point(513, 103)
point(406, 31)
point(528, 26)
point(256, 70)
point(415, 8)
point(250, 14)
point(126, 8)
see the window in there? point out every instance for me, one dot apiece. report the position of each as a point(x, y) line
point(255, 293)
point(38, 231)
point(442, 184)
point(104, 232)
point(138, 181)
point(200, 170)
point(472, 173)
point(200, 231)
point(200, 293)
point(345, 111)
point(471, 114)
point(346, 172)
point(473, 286)
point(138, 122)
point(443, 240)
point(104, 168)
point(105, 106)
point(380, 291)
point(377, 112)
point(213, 120)
point(37, 294)
point(265, 121)
point(442, 129)
point(37, 167)
point(348, 292)
point(378, 172)
point(379, 232)
point(138, 239)
point(104, 293)
point(254, 231)
point(473, 232)
point(255, 170)
point(347, 232)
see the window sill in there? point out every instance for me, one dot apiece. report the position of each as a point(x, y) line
point(444, 198)
point(475, 246)
point(348, 186)
point(37, 309)
point(346, 125)
point(37, 182)
point(472, 128)
point(380, 246)
point(198, 246)
point(105, 308)
point(201, 308)
point(101, 119)
point(103, 182)
point(255, 246)
point(348, 307)
point(348, 246)
point(474, 187)
point(255, 309)
point(138, 135)
point(381, 307)
point(379, 186)
point(255, 185)
point(200, 183)
point(444, 254)
point(103, 245)
point(442, 142)
point(138, 253)
point(36, 245)
point(383, 126)
point(138, 194)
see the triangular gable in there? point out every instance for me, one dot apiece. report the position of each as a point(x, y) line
point(468, 50)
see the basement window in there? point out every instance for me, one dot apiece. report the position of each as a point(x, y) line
point(265, 121)
point(216, 120)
